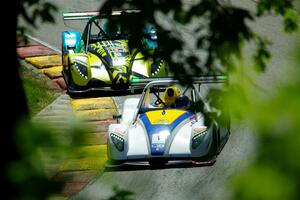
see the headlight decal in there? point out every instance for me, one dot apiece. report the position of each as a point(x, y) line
point(198, 138)
point(199, 130)
point(118, 141)
point(155, 67)
point(81, 69)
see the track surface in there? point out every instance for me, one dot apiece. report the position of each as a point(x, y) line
point(183, 183)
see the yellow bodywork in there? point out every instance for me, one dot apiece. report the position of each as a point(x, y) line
point(111, 63)
point(164, 116)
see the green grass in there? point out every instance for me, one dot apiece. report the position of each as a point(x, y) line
point(38, 91)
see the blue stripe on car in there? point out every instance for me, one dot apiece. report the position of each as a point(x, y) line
point(159, 149)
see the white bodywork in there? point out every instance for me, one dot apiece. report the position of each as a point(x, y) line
point(136, 139)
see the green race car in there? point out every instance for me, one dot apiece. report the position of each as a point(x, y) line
point(100, 59)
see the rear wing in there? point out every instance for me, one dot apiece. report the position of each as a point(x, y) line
point(196, 80)
point(85, 15)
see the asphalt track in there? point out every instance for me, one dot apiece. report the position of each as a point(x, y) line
point(184, 183)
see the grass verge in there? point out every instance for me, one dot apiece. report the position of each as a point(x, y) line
point(38, 89)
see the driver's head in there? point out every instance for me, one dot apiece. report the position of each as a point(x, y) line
point(182, 102)
point(170, 95)
point(112, 27)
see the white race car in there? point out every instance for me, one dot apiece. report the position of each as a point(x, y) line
point(165, 126)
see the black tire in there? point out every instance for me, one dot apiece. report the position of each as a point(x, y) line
point(107, 149)
point(70, 83)
point(70, 80)
point(214, 148)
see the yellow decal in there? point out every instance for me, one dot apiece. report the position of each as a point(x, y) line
point(164, 116)
point(98, 48)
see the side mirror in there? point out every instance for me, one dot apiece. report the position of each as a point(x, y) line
point(70, 40)
point(117, 117)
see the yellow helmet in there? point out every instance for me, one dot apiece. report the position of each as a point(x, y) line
point(170, 95)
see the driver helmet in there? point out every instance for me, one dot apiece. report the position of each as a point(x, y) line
point(150, 39)
point(182, 102)
point(170, 95)
point(112, 28)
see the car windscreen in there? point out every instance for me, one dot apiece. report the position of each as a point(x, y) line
point(171, 96)
point(119, 27)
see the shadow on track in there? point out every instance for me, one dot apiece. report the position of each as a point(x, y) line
point(138, 167)
point(95, 93)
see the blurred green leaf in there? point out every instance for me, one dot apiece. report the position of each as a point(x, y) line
point(262, 55)
point(120, 194)
point(263, 182)
point(290, 21)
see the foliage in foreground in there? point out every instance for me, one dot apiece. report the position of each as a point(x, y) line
point(201, 37)
point(43, 152)
point(218, 39)
point(39, 92)
point(275, 172)
point(220, 33)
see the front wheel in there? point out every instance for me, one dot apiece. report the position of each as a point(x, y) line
point(214, 148)
point(69, 82)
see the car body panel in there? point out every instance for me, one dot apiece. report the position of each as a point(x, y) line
point(137, 143)
point(160, 125)
point(164, 133)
